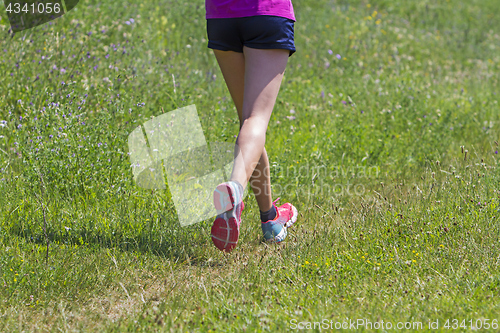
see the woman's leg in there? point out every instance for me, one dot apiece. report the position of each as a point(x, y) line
point(254, 96)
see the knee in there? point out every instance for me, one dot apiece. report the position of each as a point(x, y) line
point(254, 126)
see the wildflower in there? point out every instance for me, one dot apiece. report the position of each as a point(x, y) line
point(127, 22)
point(330, 52)
point(291, 117)
point(344, 102)
point(292, 111)
point(339, 56)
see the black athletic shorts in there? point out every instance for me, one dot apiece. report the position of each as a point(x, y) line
point(258, 32)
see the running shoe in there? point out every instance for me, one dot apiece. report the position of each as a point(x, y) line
point(229, 205)
point(275, 230)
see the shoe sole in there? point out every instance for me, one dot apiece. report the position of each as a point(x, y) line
point(225, 233)
point(283, 233)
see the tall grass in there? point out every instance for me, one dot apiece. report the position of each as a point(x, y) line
point(384, 135)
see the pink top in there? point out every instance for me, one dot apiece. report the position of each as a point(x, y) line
point(244, 8)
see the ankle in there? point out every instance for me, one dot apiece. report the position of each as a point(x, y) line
point(269, 215)
point(240, 187)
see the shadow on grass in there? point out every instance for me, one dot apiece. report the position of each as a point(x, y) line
point(187, 244)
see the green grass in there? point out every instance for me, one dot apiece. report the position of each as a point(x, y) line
point(391, 160)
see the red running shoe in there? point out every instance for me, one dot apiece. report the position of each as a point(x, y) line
point(229, 205)
point(276, 230)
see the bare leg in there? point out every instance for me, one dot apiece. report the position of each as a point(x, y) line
point(254, 95)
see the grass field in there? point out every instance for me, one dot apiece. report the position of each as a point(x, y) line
point(384, 136)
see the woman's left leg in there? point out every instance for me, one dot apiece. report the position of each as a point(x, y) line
point(232, 65)
point(264, 71)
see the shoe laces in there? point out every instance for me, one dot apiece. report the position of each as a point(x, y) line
point(275, 201)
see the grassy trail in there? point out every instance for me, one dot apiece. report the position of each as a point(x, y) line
point(384, 136)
